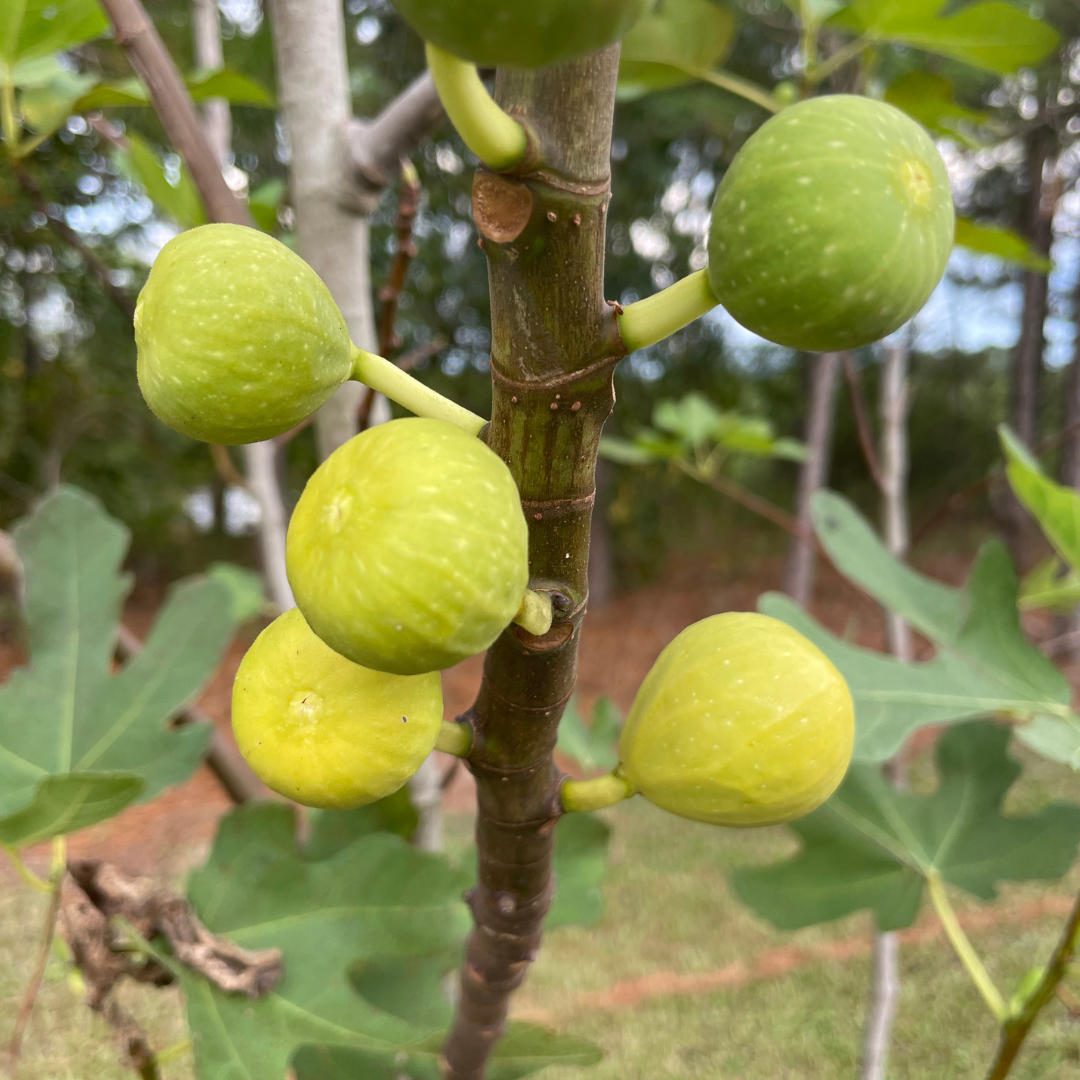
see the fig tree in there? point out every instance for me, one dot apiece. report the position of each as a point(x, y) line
point(408, 550)
point(742, 721)
point(517, 34)
point(238, 338)
point(324, 731)
point(833, 225)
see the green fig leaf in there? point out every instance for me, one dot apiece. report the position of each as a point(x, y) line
point(182, 202)
point(45, 108)
point(931, 100)
point(984, 664)
point(334, 830)
point(245, 587)
point(225, 83)
point(65, 718)
point(30, 29)
point(1049, 585)
point(871, 846)
point(581, 850)
point(994, 35)
point(1004, 243)
point(591, 746)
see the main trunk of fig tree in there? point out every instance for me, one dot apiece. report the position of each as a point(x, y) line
point(554, 348)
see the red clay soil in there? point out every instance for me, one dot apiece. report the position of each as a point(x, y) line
point(619, 644)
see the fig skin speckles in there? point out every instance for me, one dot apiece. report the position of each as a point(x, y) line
point(238, 338)
point(742, 721)
point(408, 550)
point(833, 225)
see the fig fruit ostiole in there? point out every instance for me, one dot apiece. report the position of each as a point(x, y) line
point(239, 341)
point(408, 550)
point(742, 721)
point(324, 731)
point(830, 230)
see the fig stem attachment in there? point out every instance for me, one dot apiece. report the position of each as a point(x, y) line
point(604, 791)
point(536, 613)
point(388, 379)
point(454, 738)
point(496, 138)
point(659, 316)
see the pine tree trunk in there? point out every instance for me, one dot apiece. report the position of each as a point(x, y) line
point(554, 347)
point(820, 419)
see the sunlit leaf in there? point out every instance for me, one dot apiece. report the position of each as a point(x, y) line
point(995, 36)
point(931, 100)
point(35, 28)
point(181, 202)
point(1049, 585)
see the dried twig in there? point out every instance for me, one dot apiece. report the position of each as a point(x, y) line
point(98, 903)
point(862, 421)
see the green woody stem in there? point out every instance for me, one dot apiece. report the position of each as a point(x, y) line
point(388, 379)
point(498, 140)
point(604, 791)
point(657, 317)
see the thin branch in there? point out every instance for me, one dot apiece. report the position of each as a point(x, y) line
point(754, 503)
point(1015, 1029)
point(136, 35)
point(225, 467)
point(48, 929)
point(73, 240)
point(862, 421)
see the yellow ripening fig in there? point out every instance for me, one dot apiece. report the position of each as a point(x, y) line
point(238, 338)
point(742, 721)
point(408, 550)
point(324, 731)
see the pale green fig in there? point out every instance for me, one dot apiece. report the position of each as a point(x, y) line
point(408, 550)
point(521, 33)
point(742, 721)
point(833, 225)
point(324, 731)
point(238, 338)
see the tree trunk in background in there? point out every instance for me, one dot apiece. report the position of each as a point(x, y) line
point(885, 963)
point(820, 418)
point(313, 91)
point(1027, 370)
point(260, 459)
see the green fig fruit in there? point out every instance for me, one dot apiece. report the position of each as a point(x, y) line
point(741, 721)
point(521, 33)
point(238, 338)
point(833, 225)
point(408, 550)
point(324, 731)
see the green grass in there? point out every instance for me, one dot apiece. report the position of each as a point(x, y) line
point(669, 909)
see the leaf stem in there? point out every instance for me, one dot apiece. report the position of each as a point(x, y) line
point(454, 738)
point(171, 1053)
point(388, 379)
point(58, 868)
point(25, 872)
point(659, 316)
point(603, 791)
point(822, 71)
point(964, 949)
point(536, 613)
point(734, 84)
point(8, 123)
point(496, 138)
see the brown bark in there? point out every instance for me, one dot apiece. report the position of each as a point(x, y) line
point(554, 347)
point(821, 415)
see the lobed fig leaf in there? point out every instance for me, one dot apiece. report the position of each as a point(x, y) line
point(324, 731)
point(509, 33)
point(408, 550)
point(238, 338)
point(833, 225)
point(741, 721)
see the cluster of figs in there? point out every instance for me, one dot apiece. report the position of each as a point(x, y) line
point(408, 549)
